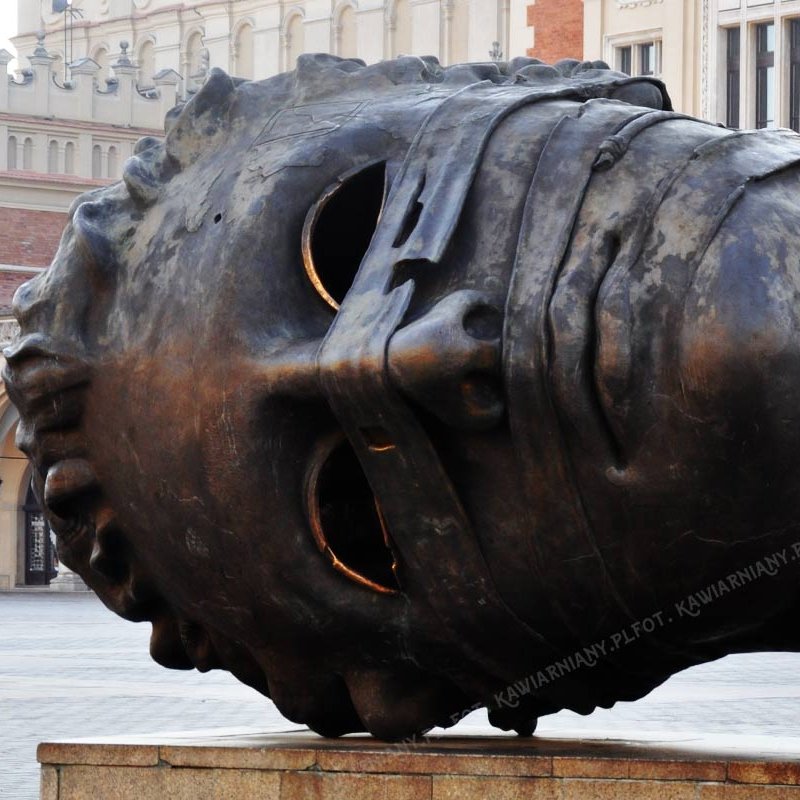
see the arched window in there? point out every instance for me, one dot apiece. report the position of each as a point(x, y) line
point(348, 44)
point(97, 162)
point(112, 162)
point(12, 152)
point(295, 44)
point(103, 74)
point(402, 28)
point(69, 158)
point(52, 156)
point(146, 63)
point(194, 48)
point(244, 66)
point(27, 153)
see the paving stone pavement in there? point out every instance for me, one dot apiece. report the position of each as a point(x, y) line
point(69, 668)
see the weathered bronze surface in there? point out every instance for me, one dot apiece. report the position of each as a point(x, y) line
point(398, 390)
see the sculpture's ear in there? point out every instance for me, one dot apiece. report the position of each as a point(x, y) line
point(203, 121)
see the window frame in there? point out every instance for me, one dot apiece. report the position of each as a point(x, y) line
point(625, 59)
point(793, 40)
point(765, 81)
point(733, 76)
point(627, 54)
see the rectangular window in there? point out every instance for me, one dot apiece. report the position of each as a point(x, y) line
point(639, 58)
point(794, 75)
point(624, 60)
point(732, 77)
point(647, 58)
point(765, 75)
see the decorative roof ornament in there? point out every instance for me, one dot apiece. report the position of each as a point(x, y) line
point(40, 50)
point(123, 60)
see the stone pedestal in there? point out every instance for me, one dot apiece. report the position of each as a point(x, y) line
point(67, 581)
point(301, 766)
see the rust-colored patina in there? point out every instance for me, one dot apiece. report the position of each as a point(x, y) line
point(400, 390)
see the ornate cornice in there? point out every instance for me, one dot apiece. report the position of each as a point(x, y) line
point(637, 3)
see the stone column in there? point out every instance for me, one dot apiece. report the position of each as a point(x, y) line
point(41, 62)
point(40, 144)
point(3, 148)
point(284, 47)
point(125, 73)
point(84, 161)
point(593, 31)
point(426, 27)
point(389, 28)
point(13, 473)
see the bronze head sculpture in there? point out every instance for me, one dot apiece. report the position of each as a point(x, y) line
point(400, 390)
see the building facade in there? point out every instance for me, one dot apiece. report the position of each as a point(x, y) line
point(663, 38)
point(753, 63)
point(731, 61)
point(260, 38)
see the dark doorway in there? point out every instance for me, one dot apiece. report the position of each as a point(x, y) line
point(40, 557)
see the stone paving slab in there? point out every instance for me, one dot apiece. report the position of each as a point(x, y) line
point(69, 669)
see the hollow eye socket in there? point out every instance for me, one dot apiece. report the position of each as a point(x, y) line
point(345, 517)
point(338, 229)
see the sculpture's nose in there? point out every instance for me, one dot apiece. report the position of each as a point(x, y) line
point(448, 361)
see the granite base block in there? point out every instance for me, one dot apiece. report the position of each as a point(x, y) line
point(234, 764)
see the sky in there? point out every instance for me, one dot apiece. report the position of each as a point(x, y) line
point(8, 24)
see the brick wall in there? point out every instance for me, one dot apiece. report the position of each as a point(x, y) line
point(557, 29)
point(29, 238)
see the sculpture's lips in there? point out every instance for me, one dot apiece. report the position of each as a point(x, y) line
point(37, 371)
point(48, 387)
point(34, 344)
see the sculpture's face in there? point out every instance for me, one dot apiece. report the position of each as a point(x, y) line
point(201, 417)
